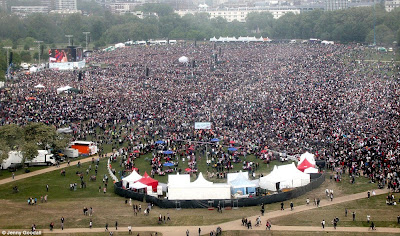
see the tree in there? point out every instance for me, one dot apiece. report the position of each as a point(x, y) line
point(26, 56)
point(383, 35)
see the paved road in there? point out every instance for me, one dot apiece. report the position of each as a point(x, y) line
point(45, 170)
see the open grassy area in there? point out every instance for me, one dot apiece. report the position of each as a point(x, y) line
point(7, 174)
point(382, 215)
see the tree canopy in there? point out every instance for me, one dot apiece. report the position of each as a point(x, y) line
point(29, 139)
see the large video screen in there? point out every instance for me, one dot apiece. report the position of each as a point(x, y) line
point(65, 55)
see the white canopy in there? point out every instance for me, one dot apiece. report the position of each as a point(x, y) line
point(119, 45)
point(180, 189)
point(233, 176)
point(311, 170)
point(39, 86)
point(178, 180)
point(63, 89)
point(288, 176)
point(33, 69)
point(201, 181)
point(131, 179)
point(310, 158)
point(138, 185)
point(213, 39)
point(183, 59)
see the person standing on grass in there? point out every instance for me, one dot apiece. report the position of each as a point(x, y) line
point(354, 216)
point(345, 212)
point(106, 227)
point(62, 222)
point(291, 206)
point(323, 224)
point(282, 206)
point(116, 225)
point(90, 224)
point(129, 229)
point(398, 219)
point(13, 176)
point(47, 187)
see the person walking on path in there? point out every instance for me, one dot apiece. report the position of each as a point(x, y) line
point(282, 206)
point(116, 225)
point(334, 223)
point(129, 229)
point(199, 231)
point(291, 206)
point(372, 226)
point(323, 224)
point(13, 175)
point(106, 227)
point(369, 194)
point(62, 222)
point(187, 232)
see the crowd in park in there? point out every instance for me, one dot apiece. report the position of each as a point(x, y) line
point(283, 97)
point(288, 98)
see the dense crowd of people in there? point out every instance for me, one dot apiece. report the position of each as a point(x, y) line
point(289, 98)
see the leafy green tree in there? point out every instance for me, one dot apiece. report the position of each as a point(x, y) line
point(383, 35)
point(11, 135)
point(29, 151)
point(26, 56)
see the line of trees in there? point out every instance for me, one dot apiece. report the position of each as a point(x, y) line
point(349, 25)
point(29, 139)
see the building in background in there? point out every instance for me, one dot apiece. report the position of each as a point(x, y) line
point(27, 10)
point(391, 4)
point(240, 14)
point(66, 5)
point(333, 5)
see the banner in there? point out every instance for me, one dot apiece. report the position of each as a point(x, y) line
point(202, 125)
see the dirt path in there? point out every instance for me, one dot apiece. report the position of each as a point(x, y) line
point(237, 225)
point(45, 170)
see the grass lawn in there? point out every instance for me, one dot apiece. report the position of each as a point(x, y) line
point(7, 174)
point(381, 214)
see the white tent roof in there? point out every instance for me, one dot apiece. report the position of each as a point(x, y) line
point(201, 181)
point(119, 45)
point(310, 158)
point(183, 59)
point(232, 176)
point(241, 182)
point(178, 180)
point(311, 170)
point(138, 185)
point(39, 86)
point(132, 178)
point(288, 176)
point(63, 89)
point(213, 39)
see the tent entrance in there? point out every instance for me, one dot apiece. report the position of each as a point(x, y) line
point(178, 205)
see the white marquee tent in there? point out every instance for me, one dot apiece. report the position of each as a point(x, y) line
point(131, 179)
point(39, 86)
point(200, 189)
point(63, 89)
point(287, 175)
point(183, 59)
point(310, 158)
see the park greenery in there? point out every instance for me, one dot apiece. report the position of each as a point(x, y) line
point(29, 139)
